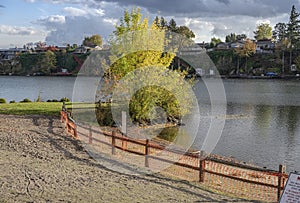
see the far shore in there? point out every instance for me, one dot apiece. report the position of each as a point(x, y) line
point(279, 77)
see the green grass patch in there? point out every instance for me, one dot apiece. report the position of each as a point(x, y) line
point(32, 108)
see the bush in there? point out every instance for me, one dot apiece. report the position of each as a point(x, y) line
point(12, 101)
point(26, 100)
point(64, 99)
point(2, 101)
point(53, 100)
point(104, 115)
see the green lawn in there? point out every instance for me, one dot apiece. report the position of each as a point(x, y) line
point(32, 108)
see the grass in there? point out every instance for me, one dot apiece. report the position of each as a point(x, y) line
point(32, 108)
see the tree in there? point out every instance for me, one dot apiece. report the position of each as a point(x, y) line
point(48, 62)
point(94, 40)
point(263, 32)
point(297, 62)
point(280, 32)
point(214, 41)
point(248, 49)
point(241, 37)
point(132, 35)
point(293, 27)
point(231, 37)
point(160, 22)
point(172, 25)
point(185, 31)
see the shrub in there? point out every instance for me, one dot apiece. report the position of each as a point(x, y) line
point(39, 99)
point(54, 100)
point(64, 99)
point(26, 100)
point(2, 101)
point(12, 101)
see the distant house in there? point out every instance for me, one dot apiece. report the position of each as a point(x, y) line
point(237, 44)
point(86, 49)
point(203, 45)
point(8, 54)
point(265, 46)
point(81, 50)
point(222, 46)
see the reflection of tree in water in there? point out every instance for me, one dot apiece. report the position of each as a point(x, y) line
point(285, 116)
point(263, 118)
point(292, 119)
point(169, 133)
point(176, 135)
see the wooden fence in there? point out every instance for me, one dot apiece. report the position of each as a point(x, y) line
point(223, 175)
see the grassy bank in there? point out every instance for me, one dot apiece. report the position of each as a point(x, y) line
point(32, 108)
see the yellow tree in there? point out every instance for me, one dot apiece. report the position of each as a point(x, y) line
point(246, 51)
point(139, 57)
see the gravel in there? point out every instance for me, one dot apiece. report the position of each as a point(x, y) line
point(39, 162)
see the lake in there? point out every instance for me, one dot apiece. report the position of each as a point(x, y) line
point(263, 126)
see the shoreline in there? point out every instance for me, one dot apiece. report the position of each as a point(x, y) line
point(286, 77)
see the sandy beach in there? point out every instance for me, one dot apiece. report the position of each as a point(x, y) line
point(39, 162)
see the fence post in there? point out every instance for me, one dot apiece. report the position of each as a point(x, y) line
point(113, 142)
point(280, 180)
point(124, 129)
point(147, 153)
point(75, 131)
point(63, 108)
point(201, 167)
point(90, 135)
point(66, 121)
point(61, 117)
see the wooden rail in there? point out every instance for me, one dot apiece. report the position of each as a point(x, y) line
point(202, 168)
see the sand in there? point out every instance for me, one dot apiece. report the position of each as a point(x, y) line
point(39, 162)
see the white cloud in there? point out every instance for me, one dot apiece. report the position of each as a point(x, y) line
point(112, 21)
point(84, 11)
point(15, 30)
point(71, 11)
point(51, 22)
point(78, 22)
point(206, 18)
point(261, 21)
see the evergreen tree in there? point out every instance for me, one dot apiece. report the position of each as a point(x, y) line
point(280, 32)
point(172, 25)
point(163, 23)
point(230, 38)
point(293, 27)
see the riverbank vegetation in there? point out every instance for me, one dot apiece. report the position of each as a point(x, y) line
point(31, 108)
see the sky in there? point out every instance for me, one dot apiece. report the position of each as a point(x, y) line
point(60, 22)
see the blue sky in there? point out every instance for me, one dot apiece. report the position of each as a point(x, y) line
point(68, 21)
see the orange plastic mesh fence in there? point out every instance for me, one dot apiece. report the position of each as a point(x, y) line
point(239, 181)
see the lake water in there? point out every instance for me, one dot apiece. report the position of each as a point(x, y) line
point(263, 126)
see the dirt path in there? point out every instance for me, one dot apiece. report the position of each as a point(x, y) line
point(39, 163)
